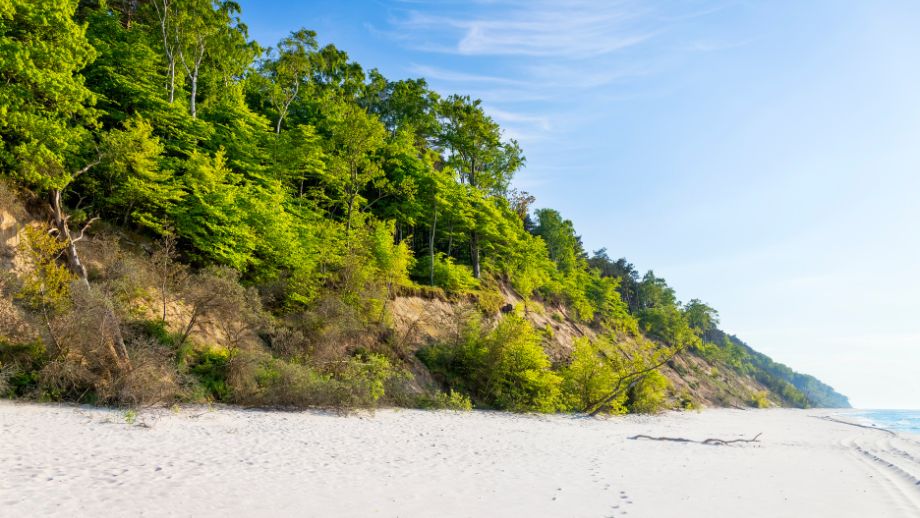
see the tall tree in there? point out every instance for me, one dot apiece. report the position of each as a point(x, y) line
point(168, 18)
point(202, 26)
point(701, 317)
point(354, 141)
point(475, 148)
point(290, 70)
point(563, 244)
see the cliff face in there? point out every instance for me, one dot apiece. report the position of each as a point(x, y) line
point(730, 374)
point(724, 373)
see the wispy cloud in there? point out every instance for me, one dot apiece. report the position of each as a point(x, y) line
point(511, 117)
point(441, 74)
point(535, 62)
point(576, 30)
point(521, 56)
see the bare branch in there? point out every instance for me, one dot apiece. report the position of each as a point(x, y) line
point(633, 378)
point(86, 168)
point(83, 230)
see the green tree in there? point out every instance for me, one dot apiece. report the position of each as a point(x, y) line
point(46, 110)
point(134, 183)
point(701, 317)
point(211, 216)
point(588, 377)
point(518, 375)
point(563, 245)
point(475, 149)
point(355, 140)
point(201, 27)
point(649, 395)
point(289, 71)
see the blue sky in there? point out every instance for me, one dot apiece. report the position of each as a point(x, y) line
point(761, 156)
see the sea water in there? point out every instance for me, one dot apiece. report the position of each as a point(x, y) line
point(895, 420)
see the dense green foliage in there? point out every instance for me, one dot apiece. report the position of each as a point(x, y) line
point(793, 388)
point(502, 368)
point(326, 189)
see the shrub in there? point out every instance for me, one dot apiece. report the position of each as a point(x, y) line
point(588, 378)
point(5, 387)
point(87, 360)
point(364, 378)
point(46, 286)
point(648, 396)
point(452, 400)
point(210, 367)
point(454, 278)
point(687, 402)
point(490, 301)
point(19, 363)
point(156, 331)
point(153, 378)
point(258, 379)
point(759, 399)
point(506, 369)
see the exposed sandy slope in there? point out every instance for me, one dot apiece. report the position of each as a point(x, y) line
point(67, 461)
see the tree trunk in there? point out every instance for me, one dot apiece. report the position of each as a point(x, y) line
point(434, 226)
point(351, 204)
point(352, 194)
point(172, 80)
point(194, 94)
point(474, 252)
point(59, 219)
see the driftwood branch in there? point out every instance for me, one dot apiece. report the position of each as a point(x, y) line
point(831, 419)
point(712, 441)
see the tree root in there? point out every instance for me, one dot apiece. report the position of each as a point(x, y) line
point(710, 442)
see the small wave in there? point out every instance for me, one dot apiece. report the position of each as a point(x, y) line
point(896, 420)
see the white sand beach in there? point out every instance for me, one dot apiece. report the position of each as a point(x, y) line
point(78, 461)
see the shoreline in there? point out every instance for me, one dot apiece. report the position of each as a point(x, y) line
point(75, 461)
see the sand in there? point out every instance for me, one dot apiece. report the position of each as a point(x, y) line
point(77, 461)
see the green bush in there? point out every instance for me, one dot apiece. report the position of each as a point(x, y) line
point(649, 395)
point(259, 379)
point(211, 367)
point(490, 301)
point(364, 379)
point(452, 400)
point(19, 367)
point(589, 378)
point(759, 399)
point(687, 402)
point(156, 329)
point(453, 278)
point(506, 369)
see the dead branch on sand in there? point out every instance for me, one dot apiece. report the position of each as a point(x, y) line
point(710, 442)
point(873, 427)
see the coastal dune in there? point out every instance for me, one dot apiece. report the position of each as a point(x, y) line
point(81, 461)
